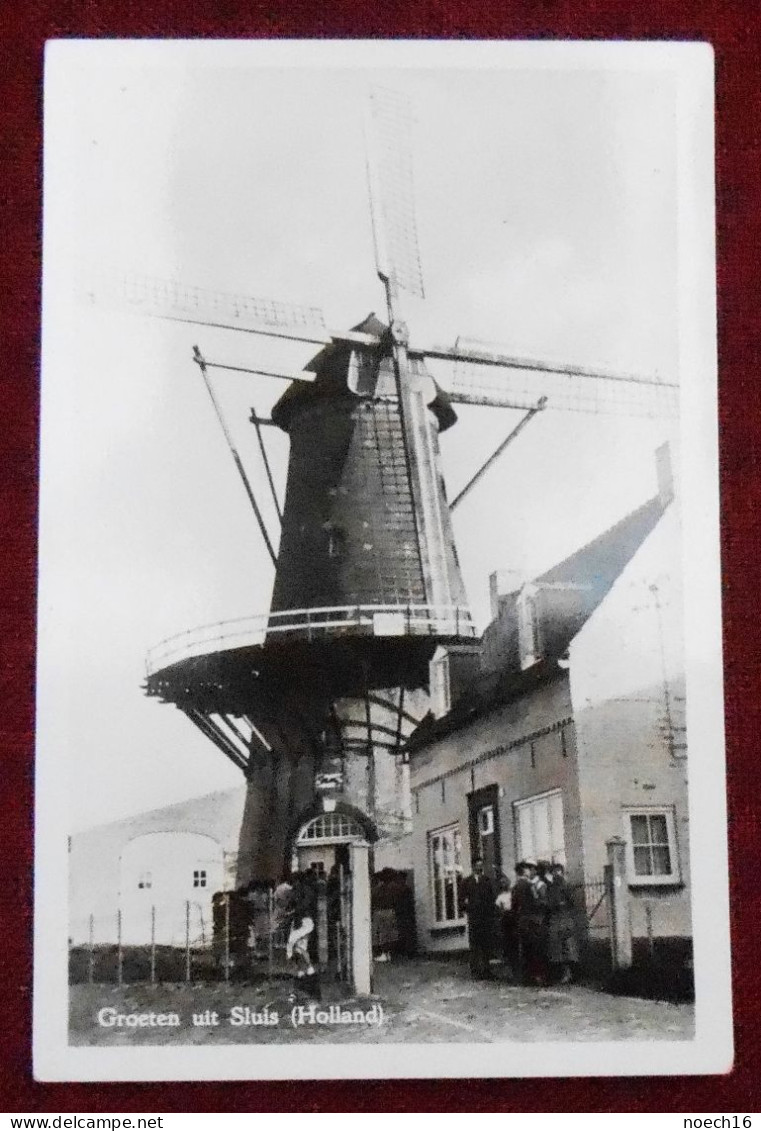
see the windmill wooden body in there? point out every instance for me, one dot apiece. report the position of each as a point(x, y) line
point(314, 699)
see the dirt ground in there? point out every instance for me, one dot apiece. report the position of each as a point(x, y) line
point(414, 1000)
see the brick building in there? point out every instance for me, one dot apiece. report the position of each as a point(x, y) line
point(571, 732)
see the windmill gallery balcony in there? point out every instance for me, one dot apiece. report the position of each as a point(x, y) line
point(350, 645)
point(310, 624)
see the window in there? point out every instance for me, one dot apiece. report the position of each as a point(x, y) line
point(539, 828)
point(650, 835)
point(445, 862)
point(486, 820)
point(331, 828)
point(528, 627)
point(199, 878)
point(144, 881)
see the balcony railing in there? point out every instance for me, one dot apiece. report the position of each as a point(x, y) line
point(312, 624)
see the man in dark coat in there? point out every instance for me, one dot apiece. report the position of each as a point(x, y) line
point(478, 900)
point(529, 911)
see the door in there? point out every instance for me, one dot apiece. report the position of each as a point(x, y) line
point(483, 812)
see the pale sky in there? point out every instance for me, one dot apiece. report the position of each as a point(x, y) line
point(547, 214)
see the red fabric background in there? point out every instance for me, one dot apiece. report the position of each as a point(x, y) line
point(734, 29)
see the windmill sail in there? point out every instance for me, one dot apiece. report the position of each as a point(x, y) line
point(388, 139)
point(179, 302)
point(479, 376)
point(392, 201)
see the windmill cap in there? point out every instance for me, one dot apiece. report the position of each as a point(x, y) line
point(332, 366)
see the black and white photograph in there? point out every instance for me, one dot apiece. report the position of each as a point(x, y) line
point(380, 682)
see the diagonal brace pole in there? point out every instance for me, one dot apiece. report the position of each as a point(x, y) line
point(201, 363)
point(257, 425)
point(540, 404)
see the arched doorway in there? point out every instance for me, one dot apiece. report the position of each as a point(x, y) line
point(323, 842)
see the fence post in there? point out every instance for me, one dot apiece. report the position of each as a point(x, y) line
point(91, 962)
point(153, 944)
point(227, 936)
point(361, 928)
point(620, 918)
point(119, 956)
point(187, 940)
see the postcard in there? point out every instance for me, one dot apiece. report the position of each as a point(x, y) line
point(380, 716)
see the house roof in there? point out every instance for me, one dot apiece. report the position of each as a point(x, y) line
point(491, 690)
point(565, 598)
point(584, 579)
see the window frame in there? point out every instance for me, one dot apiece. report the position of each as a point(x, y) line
point(200, 878)
point(441, 689)
point(670, 879)
point(521, 852)
point(329, 828)
point(460, 919)
point(487, 811)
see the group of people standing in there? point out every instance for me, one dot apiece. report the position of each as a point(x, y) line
point(534, 918)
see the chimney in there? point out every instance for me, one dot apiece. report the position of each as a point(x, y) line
point(502, 582)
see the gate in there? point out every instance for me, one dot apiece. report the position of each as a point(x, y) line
point(592, 899)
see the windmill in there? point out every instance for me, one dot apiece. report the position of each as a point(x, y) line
point(314, 699)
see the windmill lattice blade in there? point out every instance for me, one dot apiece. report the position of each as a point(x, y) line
point(392, 196)
point(166, 298)
point(499, 381)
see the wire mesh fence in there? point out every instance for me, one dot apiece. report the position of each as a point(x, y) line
point(239, 936)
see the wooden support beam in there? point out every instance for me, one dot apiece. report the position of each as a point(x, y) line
point(540, 404)
point(267, 468)
point(200, 361)
point(293, 375)
point(220, 740)
point(370, 752)
point(399, 718)
point(393, 708)
point(376, 727)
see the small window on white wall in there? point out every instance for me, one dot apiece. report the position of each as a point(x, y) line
point(651, 848)
point(199, 878)
point(439, 677)
point(539, 827)
point(486, 820)
point(144, 881)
